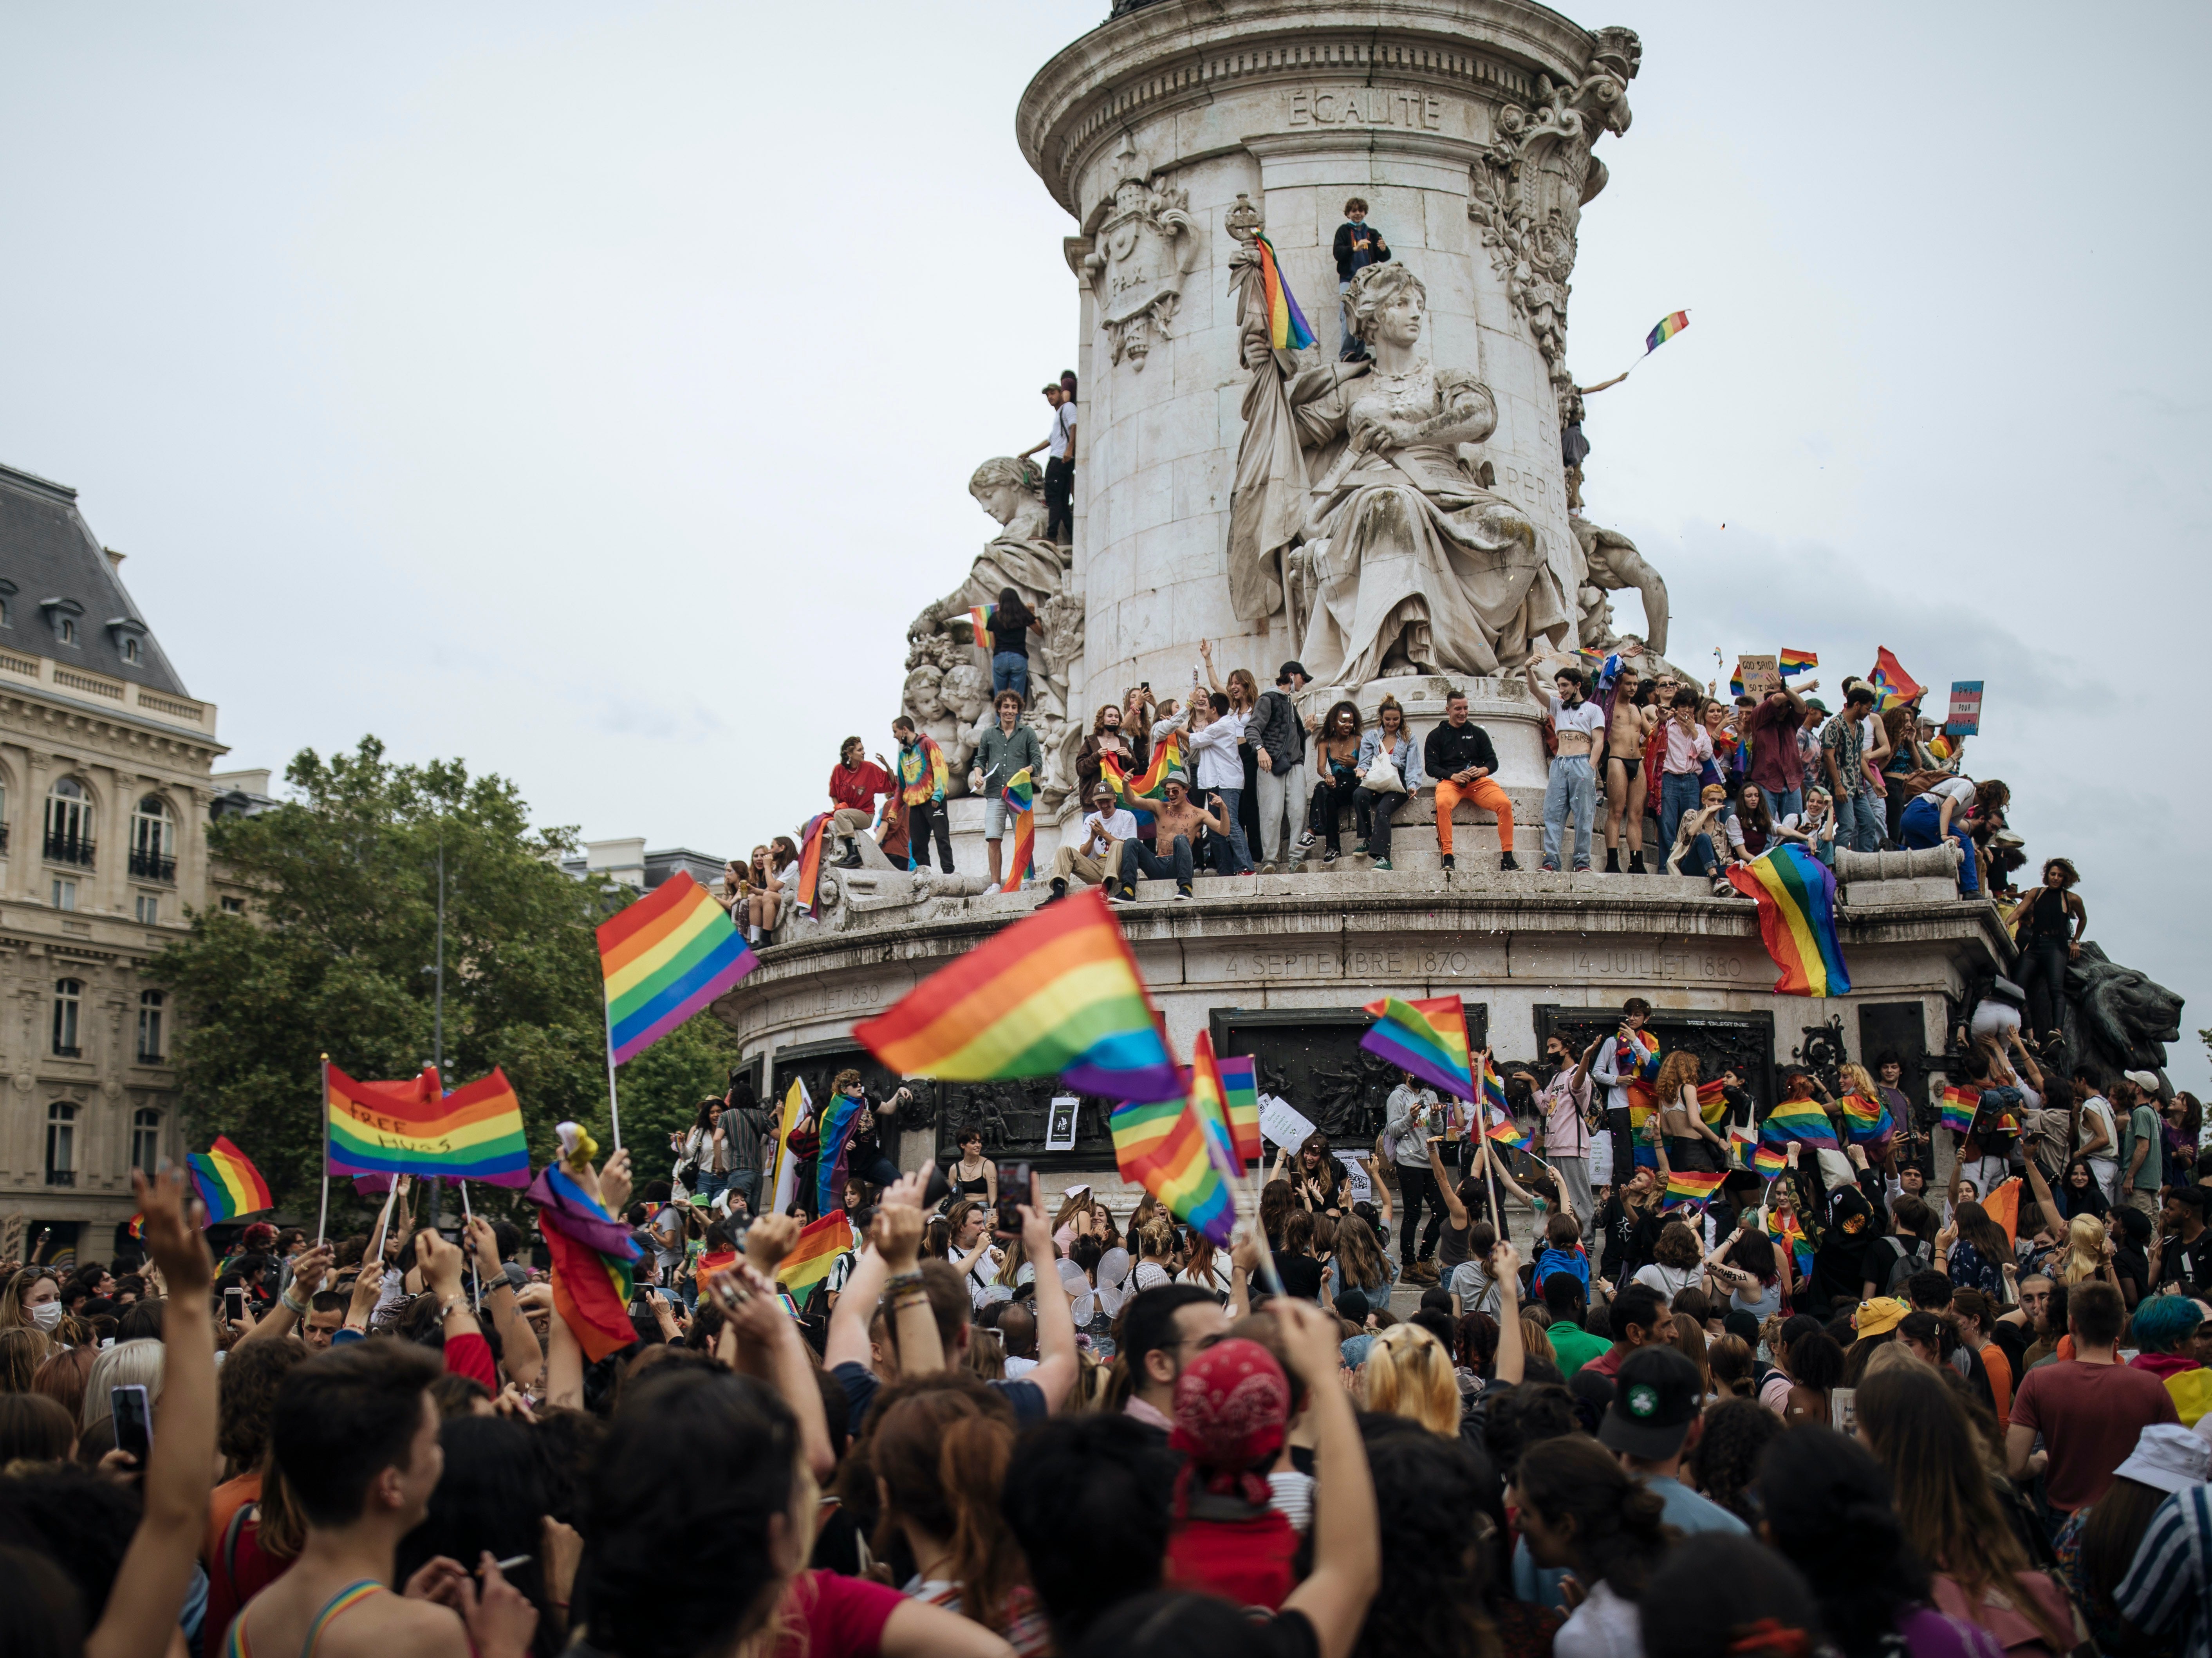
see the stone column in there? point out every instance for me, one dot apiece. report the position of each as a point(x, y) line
point(1466, 125)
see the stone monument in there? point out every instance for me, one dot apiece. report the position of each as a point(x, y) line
point(1401, 524)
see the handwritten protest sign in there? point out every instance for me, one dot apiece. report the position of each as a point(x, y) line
point(1280, 1123)
point(1760, 674)
point(1966, 718)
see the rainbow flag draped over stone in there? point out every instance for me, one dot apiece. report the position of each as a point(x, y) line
point(1796, 898)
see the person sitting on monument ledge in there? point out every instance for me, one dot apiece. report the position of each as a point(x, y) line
point(1176, 823)
point(855, 785)
point(1700, 837)
point(1459, 755)
point(1095, 858)
point(1336, 757)
point(1376, 807)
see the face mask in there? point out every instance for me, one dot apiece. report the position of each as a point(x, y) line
point(47, 1315)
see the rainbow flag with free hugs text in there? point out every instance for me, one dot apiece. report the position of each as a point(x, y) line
point(666, 956)
point(416, 1127)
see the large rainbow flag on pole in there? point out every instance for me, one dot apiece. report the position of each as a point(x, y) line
point(1287, 330)
point(229, 1185)
point(1019, 799)
point(1794, 663)
point(594, 1254)
point(1240, 1081)
point(782, 1183)
point(1209, 1103)
point(416, 1127)
point(1889, 679)
point(1058, 990)
point(1163, 1146)
point(838, 1118)
point(1796, 897)
point(1428, 1038)
point(664, 958)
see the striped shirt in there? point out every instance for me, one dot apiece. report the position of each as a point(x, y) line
point(2164, 1590)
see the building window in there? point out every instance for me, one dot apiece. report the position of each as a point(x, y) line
point(68, 630)
point(69, 824)
point(150, 908)
point(154, 841)
point(146, 1142)
point(69, 1002)
point(233, 906)
point(150, 1003)
point(61, 1144)
point(130, 648)
point(64, 893)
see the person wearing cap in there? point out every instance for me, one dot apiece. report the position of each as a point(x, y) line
point(1059, 445)
point(2143, 1142)
point(2166, 1592)
point(1175, 825)
point(1657, 1407)
point(1278, 735)
point(2089, 1409)
point(1106, 826)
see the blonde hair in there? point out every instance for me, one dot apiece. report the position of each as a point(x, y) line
point(125, 1364)
point(1409, 1374)
point(1856, 1081)
point(2085, 1249)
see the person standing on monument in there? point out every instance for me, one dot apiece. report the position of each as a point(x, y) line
point(1358, 245)
point(1008, 749)
point(1059, 445)
point(1635, 715)
point(1770, 731)
point(1279, 743)
point(1842, 751)
point(926, 813)
point(1414, 1111)
point(1215, 732)
point(1580, 725)
point(1459, 755)
point(1689, 750)
point(1616, 1065)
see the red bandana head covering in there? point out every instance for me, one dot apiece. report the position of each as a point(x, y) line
point(1231, 1405)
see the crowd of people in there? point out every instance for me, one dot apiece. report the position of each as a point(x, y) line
point(1673, 780)
point(1834, 1412)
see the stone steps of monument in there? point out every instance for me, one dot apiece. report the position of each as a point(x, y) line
point(1344, 877)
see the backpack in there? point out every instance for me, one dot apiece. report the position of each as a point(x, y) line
point(1920, 1257)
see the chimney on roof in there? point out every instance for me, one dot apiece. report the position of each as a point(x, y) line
point(114, 558)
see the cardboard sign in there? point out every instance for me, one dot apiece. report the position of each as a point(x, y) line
point(1280, 1123)
point(1760, 674)
point(1357, 1188)
point(1059, 1125)
point(1966, 718)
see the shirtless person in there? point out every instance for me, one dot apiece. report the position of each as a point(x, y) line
point(1630, 733)
point(1573, 784)
point(1176, 826)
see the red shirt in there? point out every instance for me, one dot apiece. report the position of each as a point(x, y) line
point(470, 1356)
point(2090, 1416)
point(858, 786)
point(838, 1617)
point(1772, 729)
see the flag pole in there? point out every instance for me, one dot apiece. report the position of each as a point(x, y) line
point(613, 1106)
point(383, 1225)
point(323, 1215)
point(475, 1279)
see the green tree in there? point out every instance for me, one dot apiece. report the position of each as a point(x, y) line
point(336, 957)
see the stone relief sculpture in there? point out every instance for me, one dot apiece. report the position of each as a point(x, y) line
point(948, 687)
point(1141, 250)
point(1411, 564)
point(1611, 564)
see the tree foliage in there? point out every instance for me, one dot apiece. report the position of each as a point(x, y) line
point(337, 952)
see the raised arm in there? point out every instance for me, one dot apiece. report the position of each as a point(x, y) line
point(1055, 1324)
point(1348, 1555)
point(1512, 1352)
point(769, 1346)
point(1454, 1209)
point(2044, 1201)
point(518, 1343)
point(157, 1567)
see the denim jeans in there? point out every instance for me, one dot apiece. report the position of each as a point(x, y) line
point(1701, 859)
point(1858, 820)
point(1573, 787)
point(1785, 803)
point(1009, 669)
point(1918, 829)
point(1231, 799)
point(1677, 794)
point(1138, 858)
point(744, 1183)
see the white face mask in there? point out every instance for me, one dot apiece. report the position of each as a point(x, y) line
point(47, 1314)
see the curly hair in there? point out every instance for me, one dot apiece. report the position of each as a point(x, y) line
point(1680, 1070)
point(1432, 1500)
point(1724, 1463)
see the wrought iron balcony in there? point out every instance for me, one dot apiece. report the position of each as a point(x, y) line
point(151, 865)
point(61, 1177)
point(69, 849)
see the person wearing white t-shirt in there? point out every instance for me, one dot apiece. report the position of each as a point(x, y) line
point(1573, 785)
point(1104, 828)
point(1059, 445)
point(1940, 815)
point(2100, 1140)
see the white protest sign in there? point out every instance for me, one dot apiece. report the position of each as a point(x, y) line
point(1280, 1123)
point(1357, 1188)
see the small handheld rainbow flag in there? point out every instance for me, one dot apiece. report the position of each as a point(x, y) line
point(594, 1254)
point(1689, 1186)
point(812, 841)
point(1209, 1103)
point(713, 1262)
point(1493, 1087)
point(1056, 991)
point(1502, 1128)
point(1796, 898)
point(813, 1253)
point(1286, 324)
point(229, 1184)
point(1161, 1146)
point(137, 1227)
point(1712, 1100)
point(1889, 678)
point(1669, 326)
point(1940, 746)
point(1770, 1160)
point(1240, 1081)
point(980, 618)
point(1794, 663)
point(1802, 1120)
point(416, 1127)
point(1735, 679)
point(1019, 799)
point(665, 957)
point(923, 774)
point(1958, 1106)
point(1428, 1038)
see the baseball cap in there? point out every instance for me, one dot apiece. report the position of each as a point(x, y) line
point(2170, 1457)
point(1290, 668)
point(2146, 1080)
point(1656, 1396)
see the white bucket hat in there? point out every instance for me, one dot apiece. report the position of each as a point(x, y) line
point(2170, 1457)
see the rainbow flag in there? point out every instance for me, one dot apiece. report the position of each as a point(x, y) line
point(1769, 1160)
point(782, 1185)
point(1735, 679)
point(1797, 662)
point(1163, 1146)
point(1286, 324)
point(1787, 1233)
point(593, 1261)
point(1111, 775)
point(829, 1168)
point(1686, 1186)
point(1019, 799)
point(811, 842)
point(1797, 897)
point(813, 1253)
point(1866, 1120)
point(1802, 1120)
point(229, 1184)
point(1637, 1054)
point(1498, 1127)
point(1669, 326)
point(1958, 1106)
point(1889, 678)
point(416, 1127)
point(1940, 746)
point(1712, 1100)
point(666, 956)
point(1058, 990)
point(1209, 1103)
point(2003, 1206)
point(1240, 1081)
point(712, 1262)
point(1743, 1145)
point(1167, 756)
point(980, 618)
point(1493, 1087)
point(923, 774)
point(137, 1227)
point(1428, 1038)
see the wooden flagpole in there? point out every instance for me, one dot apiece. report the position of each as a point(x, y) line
point(322, 1216)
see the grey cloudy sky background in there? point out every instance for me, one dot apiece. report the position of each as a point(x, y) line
point(592, 393)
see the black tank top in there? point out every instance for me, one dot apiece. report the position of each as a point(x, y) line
point(2047, 918)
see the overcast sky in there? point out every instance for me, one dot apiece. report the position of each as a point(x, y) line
point(590, 393)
